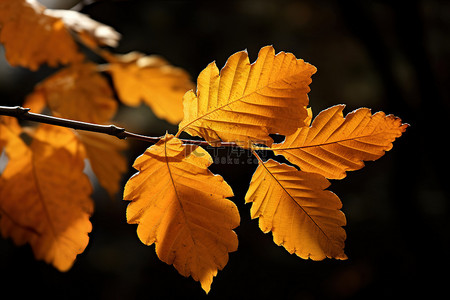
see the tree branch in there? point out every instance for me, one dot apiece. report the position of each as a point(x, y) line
point(25, 114)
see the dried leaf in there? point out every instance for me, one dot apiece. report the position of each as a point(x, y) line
point(43, 188)
point(304, 217)
point(152, 80)
point(245, 103)
point(182, 208)
point(333, 144)
point(31, 37)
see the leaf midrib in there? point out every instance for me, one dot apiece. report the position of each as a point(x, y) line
point(292, 198)
point(178, 196)
point(41, 196)
point(322, 144)
point(232, 102)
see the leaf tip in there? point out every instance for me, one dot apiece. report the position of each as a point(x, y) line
point(206, 286)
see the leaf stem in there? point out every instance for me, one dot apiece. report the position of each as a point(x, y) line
point(25, 114)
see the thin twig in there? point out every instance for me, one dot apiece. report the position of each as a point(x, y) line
point(25, 114)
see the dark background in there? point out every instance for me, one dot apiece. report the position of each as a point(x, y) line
point(387, 55)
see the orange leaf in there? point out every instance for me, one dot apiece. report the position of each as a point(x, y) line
point(107, 162)
point(182, 208)
point(303, 217)
point(31, 37)
point(245, 103)
point(78, 92)
point(43, 187)
point(333, 144)
point(3, 137)
point(152, 80)
point(35, 101)
point(9, 130)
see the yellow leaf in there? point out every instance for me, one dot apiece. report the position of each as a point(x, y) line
point(333, 144)
point(105, 157)
point(304, 217)
point(43, 187)
point(31, 37)
point(182, 208)
point(245, 103)
point(150, 79)
point(78, 92)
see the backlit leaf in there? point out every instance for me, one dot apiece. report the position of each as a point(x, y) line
point(78, 92)
point(303, 217)
point(31, 37)
point(152, 80)
point(333, 144)
point(43, 188)
point(246, 102)
point(182, 208)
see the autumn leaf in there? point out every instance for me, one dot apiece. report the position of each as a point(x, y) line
point(152, 80)
point(78, 92)
point(33, 34)
point(181, 207)
point(31, 37)
point(91, 32)
point(43, 188)
point(9, 134)
point(9, 130)
point(333, 144)
point(247, 102)
point(35, 101)
point(303, 217)
point(105, 152)
point(105, 156)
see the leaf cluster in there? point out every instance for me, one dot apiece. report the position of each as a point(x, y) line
point(177, 203)
point(55, 220)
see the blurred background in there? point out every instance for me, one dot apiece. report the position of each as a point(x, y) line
point(386, 55)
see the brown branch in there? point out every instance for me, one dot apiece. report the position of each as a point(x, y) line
point(25, 114)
